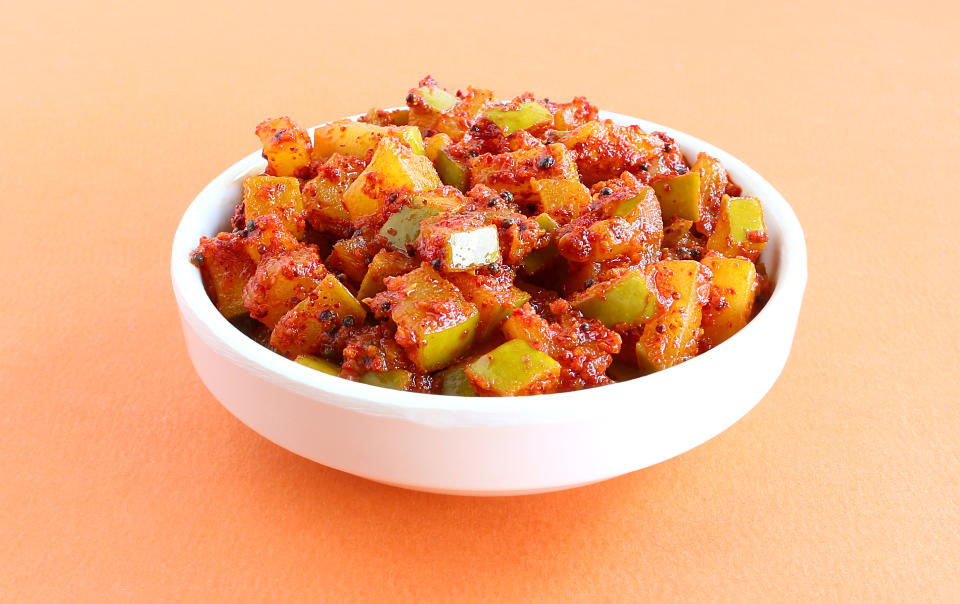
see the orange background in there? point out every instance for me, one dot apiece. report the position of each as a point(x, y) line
point(123, 479)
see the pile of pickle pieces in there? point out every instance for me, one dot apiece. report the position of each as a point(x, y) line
point(471, 246)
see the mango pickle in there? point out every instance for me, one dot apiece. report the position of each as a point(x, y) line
point(386, 263)
point(513, 369)
point(451, 171)
point(476, 246)
point(679, 196)
point(358, 139)
point(392, 168)
point(311, 325)
point(454, 381)
point(670, 337)
point(395, 379)
point(458, 242)
point(275, 195)
point(740, 229)
point(521, 117)
point(539, 259)
point(286, 146)
point(625, 299)
point(319, 363)
point(435, 323)
point(495, 300)
point(733, 290)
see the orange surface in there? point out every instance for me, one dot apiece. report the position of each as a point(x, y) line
point(124, 480)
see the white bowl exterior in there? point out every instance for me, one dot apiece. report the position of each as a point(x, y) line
point(492, 446)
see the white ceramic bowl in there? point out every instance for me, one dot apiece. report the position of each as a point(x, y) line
point(492, 446)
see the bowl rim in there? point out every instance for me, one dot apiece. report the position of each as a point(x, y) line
point(196, 307)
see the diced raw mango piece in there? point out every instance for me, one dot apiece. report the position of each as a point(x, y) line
point(358, 139)
point(573, 114)
point(627, 225)
point(437, 98)
point(733, 290)
point(319, 363)
point(309, 326)
point(624, 299)
point(454, 381)
point(285, 145)
point(679, 196)
point(434, 144)
point(435, 324)
point(545, 256)
point(433, 109)
point(387, 263)
point(512, 369)
point(395, 379)
point(394, 166)
point(352, 256)
point(455, 120)
point(403, 227)
point(513, 171)
point(225, 267)
point(267, 238)
point(713, 184)
point(495, 299)
point(451, 171)
point(460, 242)
point(281, 282)
point(563, 200)
point(740, 230)
point(522, 116)
point(694, 195)
point(387, 117)
point(323, 196)
point(277, 195)
point(669, 338)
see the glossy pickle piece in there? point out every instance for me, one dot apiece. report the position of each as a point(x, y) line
point(310, 326)
point(740, 229)
point(733, 291)
point(286, 146)
point(319, 363)
point(519, 116)
point(454, 381)
point(624, 299)
point(458, 242)
point(387, 263)
point(671, 336)
point(435, 323)
point(359, 139)
point(495, 299)
point(512, 369)
point(394, 167)
point(275, 195)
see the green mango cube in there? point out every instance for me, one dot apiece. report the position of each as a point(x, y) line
point(527, 115)
point(435, 324)
point(319, 363)
point(624, 299)
point(680, 196)
point(454, 382)
point(451, 171)
point(395, 379)
point(513, 369)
